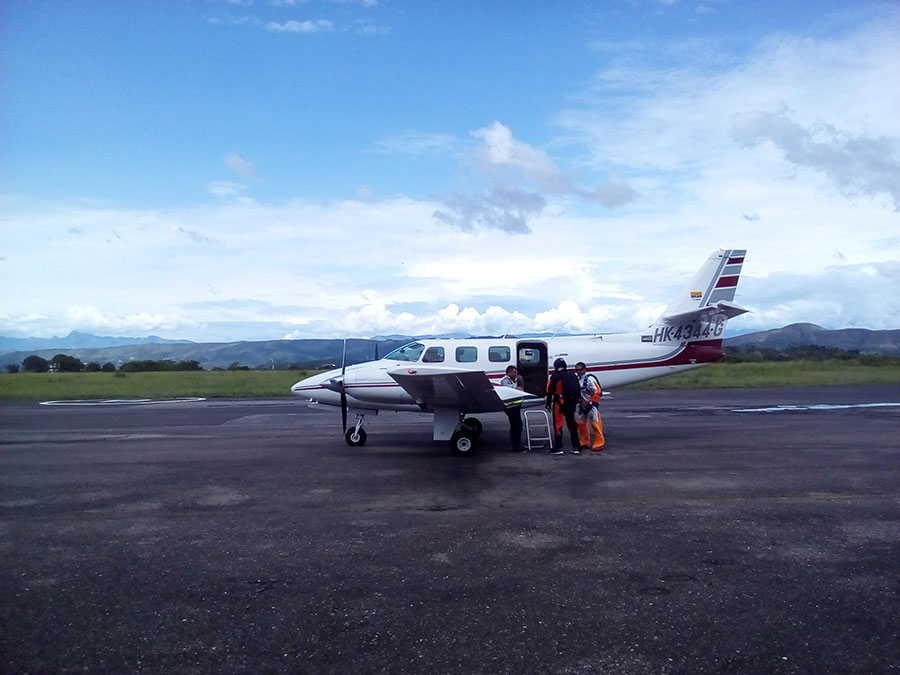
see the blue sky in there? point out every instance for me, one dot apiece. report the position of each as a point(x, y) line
point(221, 171)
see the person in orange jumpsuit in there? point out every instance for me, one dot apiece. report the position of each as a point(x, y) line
point(587, 414)
point(563, 391)
point(558, 419)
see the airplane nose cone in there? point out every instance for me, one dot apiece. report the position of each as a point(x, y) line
point(331, 380)
point(303, 387)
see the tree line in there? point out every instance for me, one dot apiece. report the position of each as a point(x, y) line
point(63, 363)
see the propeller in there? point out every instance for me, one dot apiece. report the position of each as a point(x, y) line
point(343, 387)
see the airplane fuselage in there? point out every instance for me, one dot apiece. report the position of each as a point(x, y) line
point(616, 360)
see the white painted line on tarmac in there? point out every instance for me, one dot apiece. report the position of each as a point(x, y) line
point(124, 401)
point(818, 406)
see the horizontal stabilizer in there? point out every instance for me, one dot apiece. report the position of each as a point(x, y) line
point(722, 308)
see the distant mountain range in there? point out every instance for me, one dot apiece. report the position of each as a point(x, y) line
point(316, 353)
point(77, 340)
point(267, 353)
point(863, 340)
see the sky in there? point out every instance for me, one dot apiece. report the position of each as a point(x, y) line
point(264, 169)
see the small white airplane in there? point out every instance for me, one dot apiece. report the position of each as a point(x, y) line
point(454, 378)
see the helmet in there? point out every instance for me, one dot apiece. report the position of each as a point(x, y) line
point(559, 364)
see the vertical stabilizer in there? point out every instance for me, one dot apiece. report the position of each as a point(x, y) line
point(699, 313)
point(716, 280)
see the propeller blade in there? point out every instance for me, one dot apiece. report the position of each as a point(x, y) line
point(343, 387)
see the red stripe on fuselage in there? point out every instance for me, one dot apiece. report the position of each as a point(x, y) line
point(706, 351)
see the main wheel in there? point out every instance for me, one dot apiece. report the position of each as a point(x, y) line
point(462, 442)
point(473, 425)
point(355, 438)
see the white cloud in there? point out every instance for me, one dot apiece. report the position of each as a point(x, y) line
point(89, 318)
point(293, 26)
point(225, 188)
point(856, 164)
point(498, 148)
point(237, 163)
point(841, 296)
point(361, 3)
point(673, 123)
point(521, 179)
point(508, 210)
point(418, 143)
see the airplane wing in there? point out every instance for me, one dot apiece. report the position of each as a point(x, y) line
point(469, 391)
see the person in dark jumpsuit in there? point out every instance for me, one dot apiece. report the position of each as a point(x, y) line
point(563, 393)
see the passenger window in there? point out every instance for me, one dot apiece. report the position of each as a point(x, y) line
point(466, 354)
point(433, 355)
point(527, 355)
point(498, 354)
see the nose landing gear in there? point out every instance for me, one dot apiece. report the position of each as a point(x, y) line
point(356, 436)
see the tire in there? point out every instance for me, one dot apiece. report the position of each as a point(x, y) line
point(472, 425)
point(355, 438)
point(463, 443)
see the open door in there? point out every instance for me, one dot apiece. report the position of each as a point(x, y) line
point(531, 360)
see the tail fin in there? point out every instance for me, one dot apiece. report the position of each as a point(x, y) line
point(700, 311)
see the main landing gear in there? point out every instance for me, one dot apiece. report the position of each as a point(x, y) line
point(463, 439)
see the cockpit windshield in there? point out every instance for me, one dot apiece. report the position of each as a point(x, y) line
point(408, 352)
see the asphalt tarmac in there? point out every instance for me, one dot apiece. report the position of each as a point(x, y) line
point(718, 533)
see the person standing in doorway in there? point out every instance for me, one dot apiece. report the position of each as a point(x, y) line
point(514, 411)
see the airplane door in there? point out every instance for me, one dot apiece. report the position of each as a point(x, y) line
point(531, 360)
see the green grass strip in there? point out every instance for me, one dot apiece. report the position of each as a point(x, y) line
point(830, 373)
point(207, 384)
point(267, 383)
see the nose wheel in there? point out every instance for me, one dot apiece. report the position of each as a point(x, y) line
point(355, 437)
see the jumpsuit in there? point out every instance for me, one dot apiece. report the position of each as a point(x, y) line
point(563, 405)
point(587, 415)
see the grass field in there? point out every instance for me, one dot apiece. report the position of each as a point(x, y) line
point(835, 372)
point(261, 383)
point(218, 383)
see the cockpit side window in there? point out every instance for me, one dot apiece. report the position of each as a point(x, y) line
point(408, 352)
point(466, 354)
point(433, 355)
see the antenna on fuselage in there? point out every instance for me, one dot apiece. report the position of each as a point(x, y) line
point(561, 327)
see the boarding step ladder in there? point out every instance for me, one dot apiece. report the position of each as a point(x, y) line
point(541, 423)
